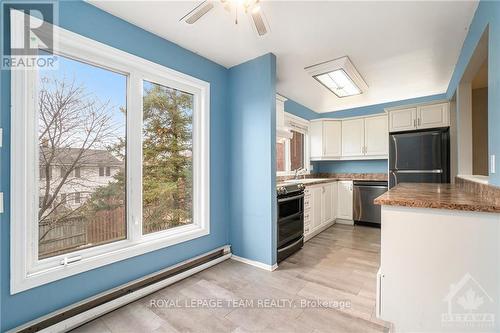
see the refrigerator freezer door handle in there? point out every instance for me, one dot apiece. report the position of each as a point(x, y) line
point(395, 151)
point(420, 171)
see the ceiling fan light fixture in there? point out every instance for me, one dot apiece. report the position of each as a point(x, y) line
point(251, 7)
point(259, 23)
point(197, 13)
point(339, 76)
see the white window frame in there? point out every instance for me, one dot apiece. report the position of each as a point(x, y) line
point(300, 125)
point(27, 271)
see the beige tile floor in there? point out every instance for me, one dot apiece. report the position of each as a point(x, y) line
point(340, 264)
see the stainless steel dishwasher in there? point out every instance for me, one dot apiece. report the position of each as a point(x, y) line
point(364, 210)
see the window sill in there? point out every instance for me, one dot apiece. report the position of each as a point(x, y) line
point(103, 255)
point(286, 174)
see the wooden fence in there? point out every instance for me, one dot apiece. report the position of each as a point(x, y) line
point(104, 227)
point(78, 233)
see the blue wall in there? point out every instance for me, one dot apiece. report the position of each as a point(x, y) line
point(299, 110)
point(487, 16)
point(252, 108)
point(89, 21)
point(365, 166)
point(379, 108)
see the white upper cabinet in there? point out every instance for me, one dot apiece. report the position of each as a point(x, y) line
point(358, 138)
point(365, 137)
point(419, 117)
point(402, 120)
point(332, 138)
point(326, 139)
point(316, 139)
point(353, 137)
point(436, 115)
point(376, 136)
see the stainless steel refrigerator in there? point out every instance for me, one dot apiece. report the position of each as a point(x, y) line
point(419, 157)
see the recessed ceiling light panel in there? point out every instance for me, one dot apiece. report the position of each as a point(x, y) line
point(339, 76)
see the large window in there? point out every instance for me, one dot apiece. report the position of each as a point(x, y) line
point(81, 124)
point(166, 158)
point(292, 154)
point(110, 159)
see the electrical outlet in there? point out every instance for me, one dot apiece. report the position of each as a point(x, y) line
point(1, 202)
point(311, 167)
point(492, 163)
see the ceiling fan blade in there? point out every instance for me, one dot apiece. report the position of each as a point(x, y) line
point(259, 22)
point(200, 10)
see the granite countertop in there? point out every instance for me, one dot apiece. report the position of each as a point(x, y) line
point(324, 178)
point(440, 196)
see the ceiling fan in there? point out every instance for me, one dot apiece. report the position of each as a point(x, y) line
point(251, 7)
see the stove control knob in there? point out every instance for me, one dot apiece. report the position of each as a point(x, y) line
point(281, 190)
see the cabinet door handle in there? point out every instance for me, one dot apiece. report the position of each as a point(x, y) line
point(415, 123)
point(419, 121)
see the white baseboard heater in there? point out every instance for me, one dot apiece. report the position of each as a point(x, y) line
point(82, 312)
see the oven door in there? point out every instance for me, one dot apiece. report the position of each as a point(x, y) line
point(290, 219)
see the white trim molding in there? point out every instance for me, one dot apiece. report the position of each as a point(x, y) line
point(255, 263)
point(27, 270)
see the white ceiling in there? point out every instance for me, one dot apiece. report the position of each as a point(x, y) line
point(402, 49)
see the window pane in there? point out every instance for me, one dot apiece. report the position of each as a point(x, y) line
point(167, 180)
point(81, 126)
point(297, 151)
point(280, 156)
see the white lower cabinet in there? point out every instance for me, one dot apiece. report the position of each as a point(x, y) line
point(316, 218)
point(321, 207)
point(326, 204)
point(334, 186)
point(344, 200)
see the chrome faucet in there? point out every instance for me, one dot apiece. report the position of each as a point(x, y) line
point(296, 173)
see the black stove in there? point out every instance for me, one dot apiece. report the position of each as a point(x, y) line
point(290, 219)
point(285, 189)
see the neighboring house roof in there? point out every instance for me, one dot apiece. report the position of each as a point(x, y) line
point(90, 157)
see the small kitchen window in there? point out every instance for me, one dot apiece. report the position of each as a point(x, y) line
point(293, 154)
point(297, 150)
point(280, 156)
